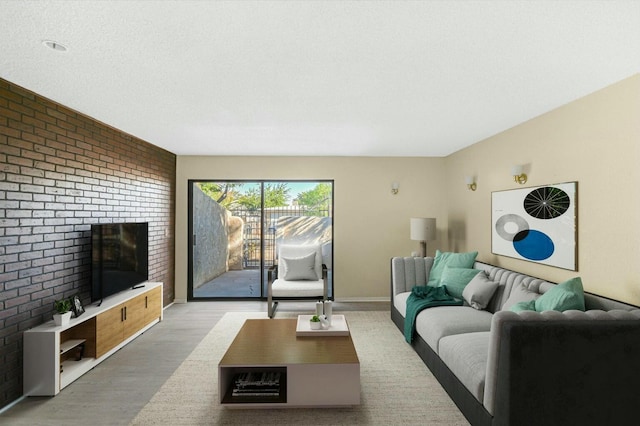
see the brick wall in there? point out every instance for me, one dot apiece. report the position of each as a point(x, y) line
point(61, 171)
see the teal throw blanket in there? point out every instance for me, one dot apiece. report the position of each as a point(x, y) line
point(423, 297)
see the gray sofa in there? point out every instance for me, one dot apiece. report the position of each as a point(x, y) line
point(526, 368)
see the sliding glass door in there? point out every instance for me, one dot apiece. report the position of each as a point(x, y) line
point(235, 228)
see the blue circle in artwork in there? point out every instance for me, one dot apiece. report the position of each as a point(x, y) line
point(533, 245)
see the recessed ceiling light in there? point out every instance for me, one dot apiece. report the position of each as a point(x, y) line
point(54, 45)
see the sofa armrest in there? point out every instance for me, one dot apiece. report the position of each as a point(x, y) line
point(407, 272)
point(563, 367)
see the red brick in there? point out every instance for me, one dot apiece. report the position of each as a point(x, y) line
point(32, 154)
point(9, 132)
point(53, 111)
point(19, 161)
point(12, 96)
point(21, 109)
point(23, 93)
point(34, 105)
point(44, 149)
point(34, 122)
point(33, 138)
point(19, 143)
point(66, 125)
point(8, 113)
point(46, 118)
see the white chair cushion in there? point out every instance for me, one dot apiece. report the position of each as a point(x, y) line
point(283, 288)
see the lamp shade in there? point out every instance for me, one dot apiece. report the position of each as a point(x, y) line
point(516, 170)
point(423, 229)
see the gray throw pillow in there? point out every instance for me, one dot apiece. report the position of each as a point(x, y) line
point(520, 293)
point(479, 291)
point(300, 268)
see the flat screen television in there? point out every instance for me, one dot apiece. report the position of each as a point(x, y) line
point(119, 257)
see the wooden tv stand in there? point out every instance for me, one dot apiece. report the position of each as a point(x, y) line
point(55, 356)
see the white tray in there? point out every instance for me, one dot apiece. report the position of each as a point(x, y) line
point(338, 327)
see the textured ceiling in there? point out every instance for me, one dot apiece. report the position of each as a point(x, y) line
point(317, 77)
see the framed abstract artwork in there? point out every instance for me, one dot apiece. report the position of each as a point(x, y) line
point(537, 224)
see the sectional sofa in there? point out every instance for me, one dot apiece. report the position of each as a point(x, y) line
point(502, 367)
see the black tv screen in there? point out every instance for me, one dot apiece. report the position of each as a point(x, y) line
point(119, 257)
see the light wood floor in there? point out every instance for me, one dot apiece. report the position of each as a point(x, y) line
point(116, 390)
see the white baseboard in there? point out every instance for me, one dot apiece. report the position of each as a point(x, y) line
point(363, 299)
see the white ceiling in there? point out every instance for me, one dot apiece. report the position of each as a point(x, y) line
point(345, 78)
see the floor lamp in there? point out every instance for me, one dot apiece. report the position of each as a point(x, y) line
point(423, 229)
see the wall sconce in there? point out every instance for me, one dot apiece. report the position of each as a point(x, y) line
point(518, 174)
point(395, 186)
point(471, 183)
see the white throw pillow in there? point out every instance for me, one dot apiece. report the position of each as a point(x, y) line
point(479, 291)
point(300, 268)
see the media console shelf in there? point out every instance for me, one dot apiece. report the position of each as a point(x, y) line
point(55, 356)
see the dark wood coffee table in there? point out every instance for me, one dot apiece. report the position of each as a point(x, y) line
point(314, 371)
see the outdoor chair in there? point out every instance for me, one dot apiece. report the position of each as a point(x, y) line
point(298, 275)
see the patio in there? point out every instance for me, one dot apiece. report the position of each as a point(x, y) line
point(244, 283)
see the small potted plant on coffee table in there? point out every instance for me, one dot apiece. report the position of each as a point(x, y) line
point(63, 312)
point(315, 323)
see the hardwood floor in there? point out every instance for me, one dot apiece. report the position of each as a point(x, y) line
point(116, 390)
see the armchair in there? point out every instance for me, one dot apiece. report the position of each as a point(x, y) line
point(298, 275)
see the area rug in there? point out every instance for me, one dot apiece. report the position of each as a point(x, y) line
point(396, 386)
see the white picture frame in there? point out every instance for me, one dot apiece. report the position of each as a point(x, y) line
point(537, 224)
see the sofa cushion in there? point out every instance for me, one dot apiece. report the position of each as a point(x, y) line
point(456, 279)
point(455, 260)
point(466, 356)
point(432, 324)
point(563, 297)
point(479, 291)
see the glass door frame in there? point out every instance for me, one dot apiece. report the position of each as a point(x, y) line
point(263, 275)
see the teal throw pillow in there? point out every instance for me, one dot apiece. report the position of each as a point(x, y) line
point(524, 306)
point(562, 297)
point(454, 260)
point(456, 279)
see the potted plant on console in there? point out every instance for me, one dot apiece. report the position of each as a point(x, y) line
point(63, 312)
point(315, 323)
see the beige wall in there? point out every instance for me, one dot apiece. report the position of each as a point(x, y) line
point(594, 141)
point(371, 225)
